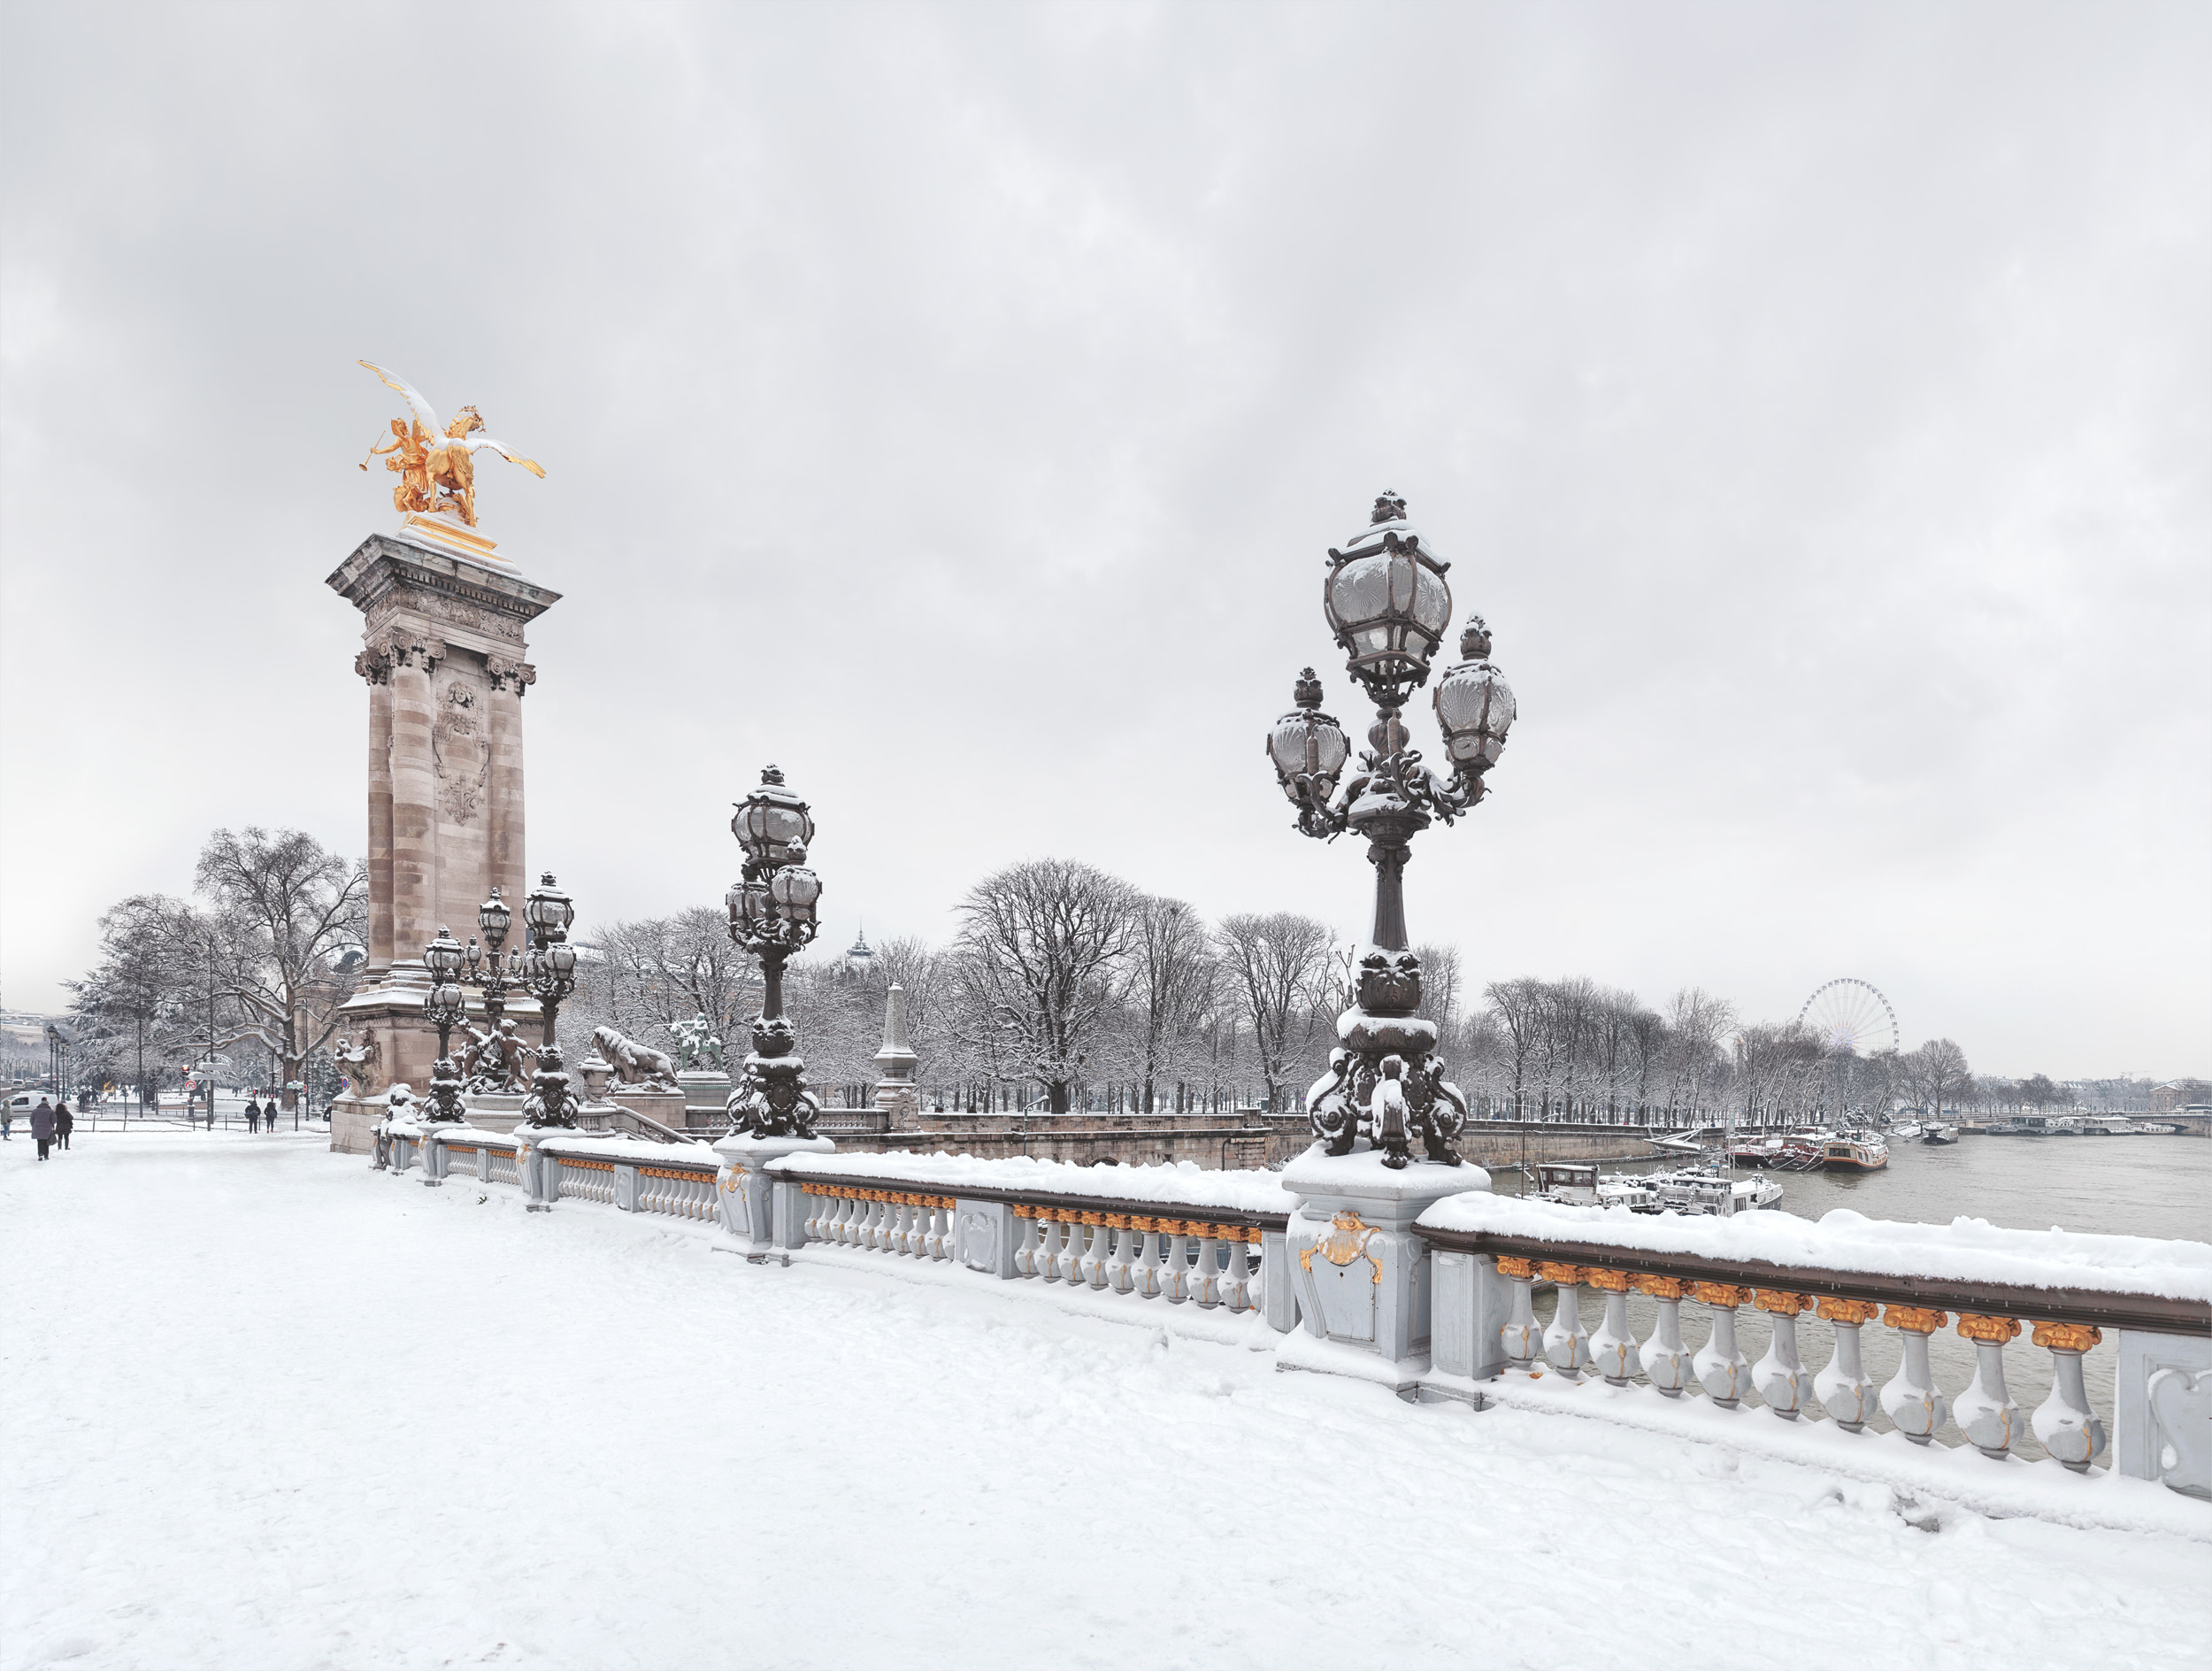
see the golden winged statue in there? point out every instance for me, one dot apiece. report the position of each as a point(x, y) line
point(435, 462)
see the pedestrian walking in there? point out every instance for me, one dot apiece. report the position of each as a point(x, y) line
point(7, 1123)
point(64, 1122)
point(42, 1126)
point(253, 1115)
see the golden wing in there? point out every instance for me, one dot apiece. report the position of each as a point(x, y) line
point(426, 417)
point(473, 442)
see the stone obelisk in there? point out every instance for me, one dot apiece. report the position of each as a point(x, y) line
point(446, 662)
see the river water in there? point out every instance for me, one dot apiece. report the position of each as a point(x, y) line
point(2154, 1186)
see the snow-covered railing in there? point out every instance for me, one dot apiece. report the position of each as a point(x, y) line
point(1847, 1271)
point(635, 1175)
point(1166, 1232)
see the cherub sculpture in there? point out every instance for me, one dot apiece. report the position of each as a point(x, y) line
point(494, 1061)
point(434, 461)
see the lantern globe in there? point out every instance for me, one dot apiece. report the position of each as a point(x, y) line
point(794, 889)
point(1475, 707)
point(493, 917)
point(772, 824)
point(1388, 601)
point(549, 911)
point(442, 956)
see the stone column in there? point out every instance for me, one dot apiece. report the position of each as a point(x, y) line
point(376, 666)
point(508, 680)
point(414, 804)
point(895, 1094)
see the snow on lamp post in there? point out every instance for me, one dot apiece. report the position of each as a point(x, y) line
point(549, 974)
point(772, 913)
point(444, 1010)
point(1388, 604)
point(494, 976)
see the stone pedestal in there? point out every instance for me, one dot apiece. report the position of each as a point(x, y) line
point(706, 1097)
point(666, 1107)
point(446, 664)
point(766, 1214)
point(1361, 1270)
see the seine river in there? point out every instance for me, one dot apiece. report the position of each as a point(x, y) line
point(2153, 1186)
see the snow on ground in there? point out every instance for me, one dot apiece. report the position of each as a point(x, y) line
point(268, 1408)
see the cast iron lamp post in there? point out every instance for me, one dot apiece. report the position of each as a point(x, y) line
point(772, 917)
point(494, 976)
point(445, 1009)
point(1388, 604)
point(549, 974)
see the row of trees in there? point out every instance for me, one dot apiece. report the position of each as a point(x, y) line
point(252, 968)
point(1065, 987)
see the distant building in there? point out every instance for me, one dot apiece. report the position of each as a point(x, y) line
point(2168, 1098)
point(860, 957)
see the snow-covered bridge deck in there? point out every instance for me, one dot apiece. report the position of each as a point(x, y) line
point(268, 1408)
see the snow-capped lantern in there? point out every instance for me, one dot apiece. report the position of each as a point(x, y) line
point(1387, 602)
point(772, 823)
point(548, 911)
point(750, 906)
point(493, 917)
point(1308, 747)
point(442, 957)
point(1474, 704)
point(794, 889)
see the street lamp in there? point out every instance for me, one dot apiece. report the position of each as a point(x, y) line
point(1388, 603)
point(549, 974)
point(444, 1009)
point(772, 917)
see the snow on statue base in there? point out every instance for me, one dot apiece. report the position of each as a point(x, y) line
point(1362, 1277)
point(765, 1213)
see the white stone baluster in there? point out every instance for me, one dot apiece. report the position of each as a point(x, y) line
point(1118, 1269)
point(906, 1236)
point(2064, 1424)
point(1911, 1400)
point(1986, 1411)
point(1779, 1373)
point(1236, 1276)
point(1842, 1387)
point(1520, 1336)
point(1053, 1233)
point(1202, 1283)
point(1721, 1370)
point(1025, 1248)
point(929, 1244)
point(849, 1211)
point(1091, 1268)
point(1613, 1348)
point(1144, 1273)
point(1175, 1273)
point(1665, 1360)
point(1566, 1343)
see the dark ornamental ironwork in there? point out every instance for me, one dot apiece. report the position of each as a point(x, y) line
point(551, 1101)
point(1388, 603)
point(445, 1009)
point(772, 918)
point(494, 1060)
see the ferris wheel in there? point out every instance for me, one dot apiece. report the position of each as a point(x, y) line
point(1850, 1015)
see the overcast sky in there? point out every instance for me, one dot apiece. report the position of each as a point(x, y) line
point(954, 405)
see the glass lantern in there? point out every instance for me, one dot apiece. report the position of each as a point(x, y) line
point(1388, 601)
point(548, 911)
point(794, 889)
point(561, 957)
point(1474, 704)
point(446, 996)
point(442, 956)
point(1306, 745)
point(772, 823)
point(493, 917)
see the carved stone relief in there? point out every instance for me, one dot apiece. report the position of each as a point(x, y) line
point(461, 751)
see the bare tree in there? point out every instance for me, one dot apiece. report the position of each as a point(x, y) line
point(1172, 990)
point(286, 914)
point(1517, 1008)
point(1038, 965)
point(1278, 964)
point(131, 999)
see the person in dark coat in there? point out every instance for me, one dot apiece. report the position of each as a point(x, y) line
point(42, 1126)
point(253, 1115)
point(64, 1122)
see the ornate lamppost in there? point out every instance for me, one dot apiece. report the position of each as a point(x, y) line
point(445, 1009)
point(1388, 604)
point(491, 973)
point(549, 974)
point(772, 917)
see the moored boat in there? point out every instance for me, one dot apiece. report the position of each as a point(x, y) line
point(1939, 1134)
point(1860, 1151)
